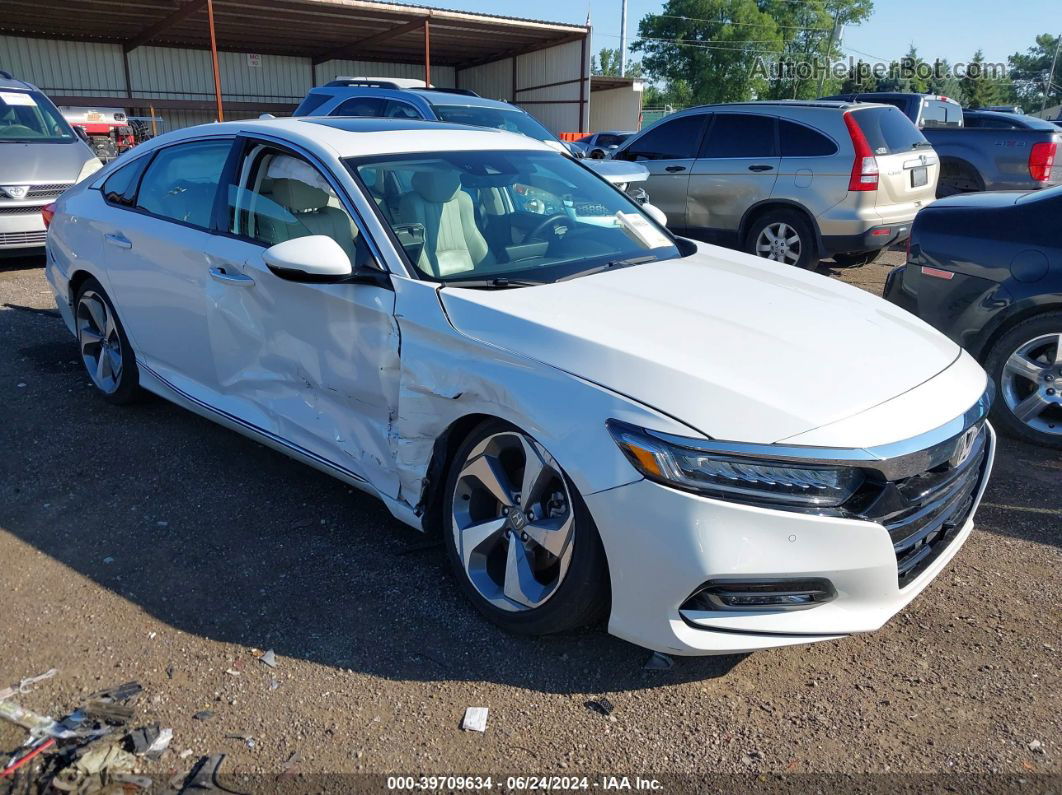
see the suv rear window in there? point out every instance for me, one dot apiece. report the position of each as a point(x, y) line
point(888, 131)
point(311, 103)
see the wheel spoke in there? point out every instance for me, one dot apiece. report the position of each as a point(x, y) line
point(520, 584)
point(88, 337)
point(552, 534)
point(763, 248)
point(1058, 350)
point(98, 313)
point(1019, 365)
point(488, 471)
point(474, 537)
point(102, 366)
point(1031, 407)
point(114, 362)
point(770, 235)
point(110, 330)
point(535, 473)
point(793, 242)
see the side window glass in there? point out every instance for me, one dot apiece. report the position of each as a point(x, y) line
point(401, 110)
point(283, 197)
point(182, 181)
point(740, 135)
point(799, 141)
point(311, 103)
point(360, 106)
point(673, 140)
point(120, 187)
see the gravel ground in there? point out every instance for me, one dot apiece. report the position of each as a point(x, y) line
point(146, 543)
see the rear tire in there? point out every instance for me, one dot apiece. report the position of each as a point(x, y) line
point(105, 350)
point(855, 259)
point(523, 546)
point(783, 236)
point(1028, 406)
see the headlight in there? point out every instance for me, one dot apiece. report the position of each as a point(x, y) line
point(740, 478)
point(91, 166)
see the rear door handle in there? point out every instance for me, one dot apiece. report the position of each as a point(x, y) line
point(674, 169)
point(118, 239)
point(761, 168)
point(236, 279)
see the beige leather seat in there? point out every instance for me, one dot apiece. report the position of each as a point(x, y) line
point(314, 216)
point(452, 241)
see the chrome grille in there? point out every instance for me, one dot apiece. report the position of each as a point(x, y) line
point(924, 513)
point(20, 209)
point(47, 191)
point(22, 238)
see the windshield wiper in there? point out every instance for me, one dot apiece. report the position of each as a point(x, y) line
point(918, 144)
point(497, 283)
point(608, 266)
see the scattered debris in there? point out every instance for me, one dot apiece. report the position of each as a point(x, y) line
point(96, 769)
point(291, 766)
point(247, 739)
point(658, 662)
point(1036, 747)
point(108, 559)
point(602, 705)
point(232, 672)
point(149, 741)
point(187, 752)
point(204, 714)
point(169, 671)
point(269, 658)
point(273, 683)
point(204, 776)
point(475, 719)
point(24, 684)
point(36, 724)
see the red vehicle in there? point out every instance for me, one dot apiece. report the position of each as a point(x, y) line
point(107, 130)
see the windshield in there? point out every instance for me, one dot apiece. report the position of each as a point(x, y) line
point(29, 117)
point(511, 120)
point(507, 216)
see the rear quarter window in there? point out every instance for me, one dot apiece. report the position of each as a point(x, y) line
point(887, 130)
point(796, 140)
point(311, 103)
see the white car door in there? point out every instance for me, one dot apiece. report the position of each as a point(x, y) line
point(154, 248)
point(315, 364)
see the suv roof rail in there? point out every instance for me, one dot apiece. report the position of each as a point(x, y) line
point(465, 92)
point(356, 81)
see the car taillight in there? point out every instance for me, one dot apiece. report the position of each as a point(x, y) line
point(48, 213)
point(1041, 159)
point(865, 166)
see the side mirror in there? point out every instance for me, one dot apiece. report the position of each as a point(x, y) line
point(655, 213)
point(314, 258)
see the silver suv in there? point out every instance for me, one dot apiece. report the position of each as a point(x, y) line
point(790, 180)
point(40, 157)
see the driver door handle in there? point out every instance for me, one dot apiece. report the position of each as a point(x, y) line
point(761, 168)
point(236, 279)
point(674, 169)
point(118, 239)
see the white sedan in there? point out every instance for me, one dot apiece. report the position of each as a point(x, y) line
point(717, 452)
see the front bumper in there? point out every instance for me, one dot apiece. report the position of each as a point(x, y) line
point(663, 544)
point(21, 226)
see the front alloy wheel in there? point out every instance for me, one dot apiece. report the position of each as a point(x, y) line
point(780, 242)
point(522, 544)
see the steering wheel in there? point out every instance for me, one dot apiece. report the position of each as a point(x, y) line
point(546, 223)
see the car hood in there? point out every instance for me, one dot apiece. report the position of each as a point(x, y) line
point(736, 347)
point(22, 164)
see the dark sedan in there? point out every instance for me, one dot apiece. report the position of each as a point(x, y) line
point(986, 269)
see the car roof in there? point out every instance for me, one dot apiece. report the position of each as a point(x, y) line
point(357, 136)
point(14, 84)
point(434, 96)
point(822, 104)
point(1029, 121)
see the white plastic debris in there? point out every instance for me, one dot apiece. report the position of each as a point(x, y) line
point(187, 752)
point(162, 742)
point(475, 719)
point(659, 662)
point(269, 658)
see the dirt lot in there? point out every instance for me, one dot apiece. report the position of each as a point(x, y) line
point(146, 543)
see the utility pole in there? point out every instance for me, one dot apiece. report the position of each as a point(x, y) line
point(829, 54)
point(623, 40)
point(1050, 75)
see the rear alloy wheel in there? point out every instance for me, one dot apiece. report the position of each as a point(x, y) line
point(783, 237)
point(518, 536)
point(1026, 364)
point(105, 350)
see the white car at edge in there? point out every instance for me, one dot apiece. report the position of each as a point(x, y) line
point(717, 452)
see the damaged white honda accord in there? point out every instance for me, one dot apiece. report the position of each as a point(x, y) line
point(718, 452)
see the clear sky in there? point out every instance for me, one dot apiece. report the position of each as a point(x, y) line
point(951, 29)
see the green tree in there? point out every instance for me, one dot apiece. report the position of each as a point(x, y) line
point(705, 50)
point(860, 79)
point(1033, 86)
point(978, 89)
point(606, 62)
point(943, 80)
point(808, 38)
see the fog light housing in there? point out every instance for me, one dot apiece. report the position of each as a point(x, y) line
point(770, 594)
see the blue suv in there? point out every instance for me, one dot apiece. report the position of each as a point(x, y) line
point(409, 99)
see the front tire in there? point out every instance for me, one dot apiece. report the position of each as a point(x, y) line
point(522, 544)
point(105, 350)
point(783, 236)
point(1026, 366)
